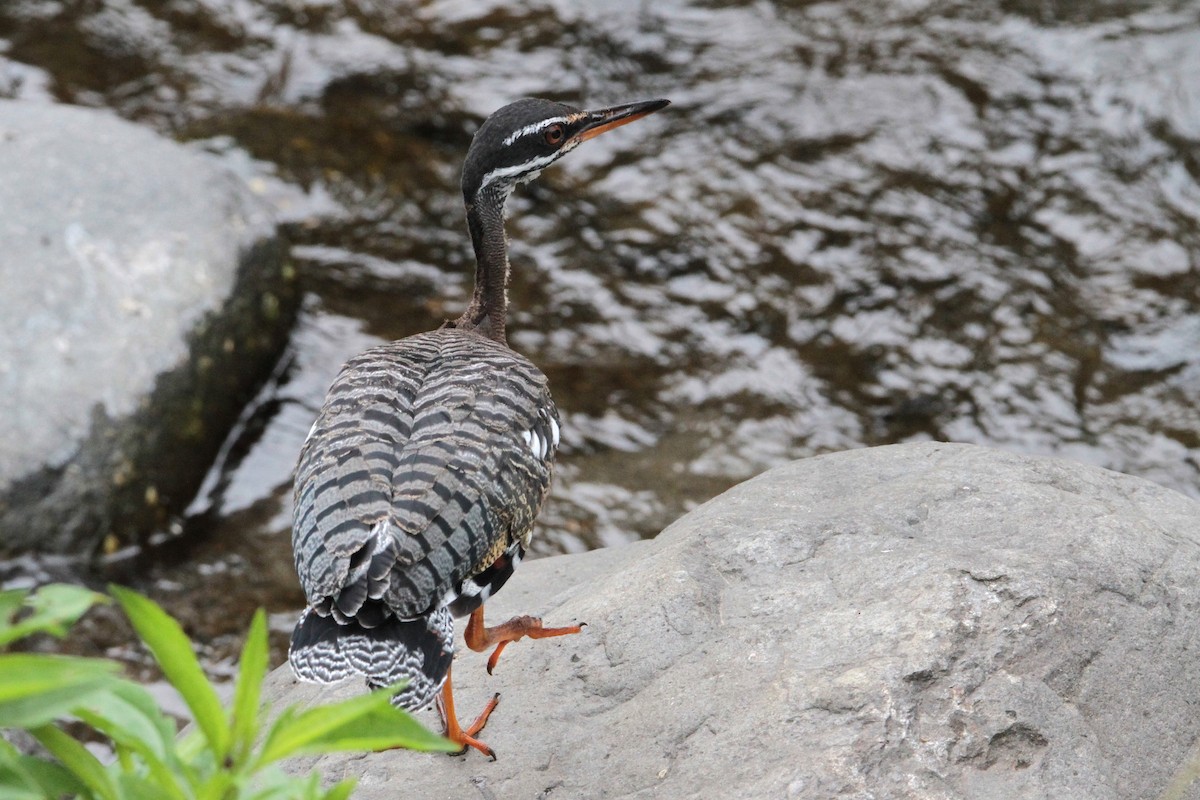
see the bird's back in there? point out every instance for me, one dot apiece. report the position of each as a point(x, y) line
point(423, 466)
point(417, 488)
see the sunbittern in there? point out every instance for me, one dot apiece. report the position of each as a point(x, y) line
point(418, 485)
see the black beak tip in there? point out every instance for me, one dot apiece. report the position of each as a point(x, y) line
point(643, 108)
point(606, 119)
point(636, 110)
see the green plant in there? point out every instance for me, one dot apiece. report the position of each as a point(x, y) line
point(230, 754)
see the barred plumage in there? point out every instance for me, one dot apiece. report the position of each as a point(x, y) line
point(417, 651)
point(418, 485)
point(417, 474)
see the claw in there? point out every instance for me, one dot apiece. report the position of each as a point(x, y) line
point(480, 637)
point(491, 665)
point(455, 732)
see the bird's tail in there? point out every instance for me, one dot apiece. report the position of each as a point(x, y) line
point(418, 651)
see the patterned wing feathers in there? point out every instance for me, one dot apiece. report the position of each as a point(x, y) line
point(436, 478)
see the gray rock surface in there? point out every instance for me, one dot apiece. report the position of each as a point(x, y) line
point(915, 621)
point(143, 297)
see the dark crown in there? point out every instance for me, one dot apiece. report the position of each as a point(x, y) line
point(514, 144)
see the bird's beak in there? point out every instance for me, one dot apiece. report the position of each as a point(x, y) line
point(605, 119)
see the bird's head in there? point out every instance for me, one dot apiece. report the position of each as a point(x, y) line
point(521, 139)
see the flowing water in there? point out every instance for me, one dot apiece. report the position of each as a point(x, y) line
point(860, 222)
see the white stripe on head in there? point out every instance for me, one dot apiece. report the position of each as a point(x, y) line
point(516, 169)
point(532, 127)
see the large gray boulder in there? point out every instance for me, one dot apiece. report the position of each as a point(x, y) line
point(914, 621)
point(143, 297)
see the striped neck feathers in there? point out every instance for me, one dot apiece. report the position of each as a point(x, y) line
point(487, 313)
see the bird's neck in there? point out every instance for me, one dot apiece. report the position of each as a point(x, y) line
point(487, 312)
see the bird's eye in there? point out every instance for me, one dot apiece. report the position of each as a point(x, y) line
point(555, 133)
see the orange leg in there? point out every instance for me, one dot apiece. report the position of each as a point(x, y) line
point(454, 731)
point(480, 637)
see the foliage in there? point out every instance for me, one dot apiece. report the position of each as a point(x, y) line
point(230, 754)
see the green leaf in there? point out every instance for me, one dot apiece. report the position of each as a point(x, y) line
point(273, 784)
point(191, 745)
point(10, 602)
point(251, 670)
point(366, 722)
point(53, 609)
point(309, 786)
point(36, 689)
point(341, 790)
point(217, 786)
point(173, 652)
point(382, 729)
point(76, 758)
point(24, 776)
point(137, 787)
point(10, 792)
point(128, 715)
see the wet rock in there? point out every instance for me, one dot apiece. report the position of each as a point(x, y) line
point(860, 222)
point(144, 296)
point(913, 621)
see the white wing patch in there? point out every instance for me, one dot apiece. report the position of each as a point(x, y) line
point(542, 439)
point(469, 588)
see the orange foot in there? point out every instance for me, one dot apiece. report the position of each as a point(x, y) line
point(455, 732)
point(480, 637)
